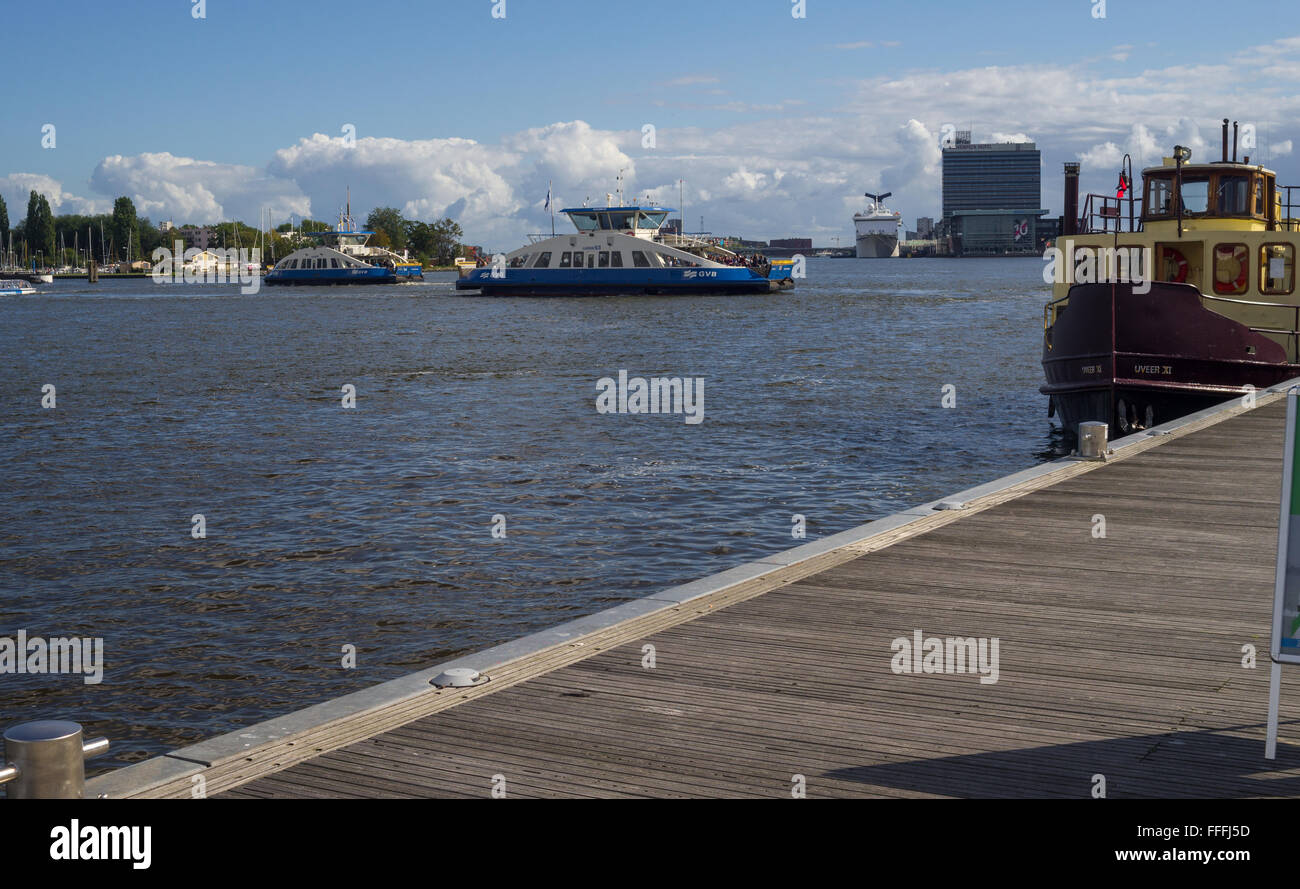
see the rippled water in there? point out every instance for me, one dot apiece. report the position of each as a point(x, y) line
point(372, 527)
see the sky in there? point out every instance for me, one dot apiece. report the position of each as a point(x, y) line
point(774, 123)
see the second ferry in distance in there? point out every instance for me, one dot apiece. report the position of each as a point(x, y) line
point(620, 250)
point(341, 256)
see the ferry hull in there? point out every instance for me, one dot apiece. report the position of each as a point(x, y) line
point(1171, 356)
point(320, 277)
point(584, 282)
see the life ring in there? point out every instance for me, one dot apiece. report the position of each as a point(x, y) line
point(1239, 283)
point(1180, 264)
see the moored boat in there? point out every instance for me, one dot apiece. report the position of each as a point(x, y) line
point(621, 250)
point(1190, 303)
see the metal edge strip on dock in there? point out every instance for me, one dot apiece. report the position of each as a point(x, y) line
point(231, 759)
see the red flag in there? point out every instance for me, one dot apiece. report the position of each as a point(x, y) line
point(1123, 187)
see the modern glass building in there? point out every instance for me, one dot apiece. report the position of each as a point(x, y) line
point(991, 197)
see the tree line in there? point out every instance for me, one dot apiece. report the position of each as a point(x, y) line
point(111, 237)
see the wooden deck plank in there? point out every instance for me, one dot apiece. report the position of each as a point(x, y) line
point(1119, 656)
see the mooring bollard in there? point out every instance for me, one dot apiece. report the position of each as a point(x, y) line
point(47, 760)
point(1093, 440)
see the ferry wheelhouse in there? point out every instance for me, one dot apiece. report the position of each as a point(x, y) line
point(623, 250)
point(342, 256)
point(1189, 298)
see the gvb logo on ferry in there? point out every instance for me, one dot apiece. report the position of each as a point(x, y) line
point(656, 395)
point(1099, 265)
point(35, 655)
point(952, 654)
point(211, 265)
point(102, 843)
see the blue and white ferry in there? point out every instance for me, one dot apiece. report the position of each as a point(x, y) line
point(16, 287)
point(341, 256)
point(620, 250)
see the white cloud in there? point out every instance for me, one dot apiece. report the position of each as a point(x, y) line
point(183, 189)
point(16, 188)
point(778, 169)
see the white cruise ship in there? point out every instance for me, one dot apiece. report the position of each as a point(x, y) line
point(877, 228)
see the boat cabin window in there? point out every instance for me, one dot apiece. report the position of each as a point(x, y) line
point(1160, 196)
point(543, 260)
point(566, 260)
point(1277, 268)
point(585, 222)
point(518, 262)
point(1196, 194)
point(639, 260)
point(616, 260)
point(1231, 268)
point(621, 219)
point(1232, 197)
point(603, 262)
point(653, 220)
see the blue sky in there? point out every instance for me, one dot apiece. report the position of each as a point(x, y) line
point(777, 124)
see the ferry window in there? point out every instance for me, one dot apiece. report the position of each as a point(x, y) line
point(1231, 268)
point(591, 260)
point(1233, 196)
point(1160, 196)
point(543, 260)
point(621, 220)
point(518, 262)
point(1259, 195)
point(616, 260)
point(1195, 195)
point(1277, 268)
point(653, 220)
point(639, 260)
point(566, 259)
point(585, 222)
point(334, 263)
point(603, 263)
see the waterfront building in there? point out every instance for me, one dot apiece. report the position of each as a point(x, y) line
point(991, 197)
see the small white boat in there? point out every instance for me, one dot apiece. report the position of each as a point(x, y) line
point(15, 287)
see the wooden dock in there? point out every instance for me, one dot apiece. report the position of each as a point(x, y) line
point(1119, 656)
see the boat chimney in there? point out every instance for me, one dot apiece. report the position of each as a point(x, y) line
point(1234, 141)
point(1225, 140)
point(1070, 222)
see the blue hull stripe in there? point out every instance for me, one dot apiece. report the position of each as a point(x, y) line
point(681, 280)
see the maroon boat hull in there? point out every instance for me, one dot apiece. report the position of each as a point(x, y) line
point(1168, 356)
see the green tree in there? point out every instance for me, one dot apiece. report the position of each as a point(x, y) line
point(122, 227)
point(391, 223)
point(446, 233)
point(39, 226)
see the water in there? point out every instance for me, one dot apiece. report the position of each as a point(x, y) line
point(372, 527)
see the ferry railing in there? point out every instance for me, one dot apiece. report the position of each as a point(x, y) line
point(1288, 222)
point(1103, 213)
point(1292, 335)
point(1050, 313)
